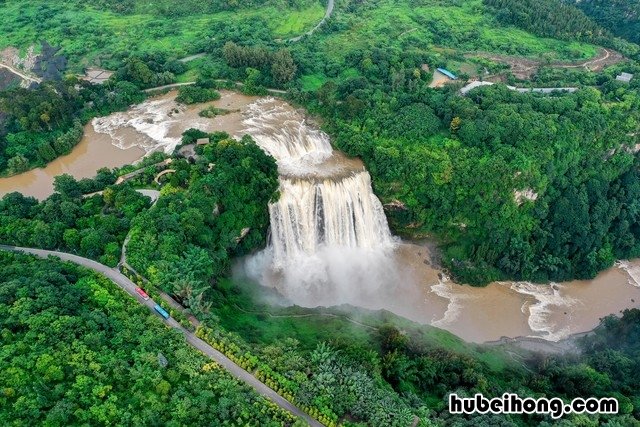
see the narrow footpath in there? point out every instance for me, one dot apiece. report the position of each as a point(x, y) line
point(129, 287)
point(178, 85)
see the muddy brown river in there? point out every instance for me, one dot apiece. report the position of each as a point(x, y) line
point(518, 309)
point(124, 138)
point(409, 286)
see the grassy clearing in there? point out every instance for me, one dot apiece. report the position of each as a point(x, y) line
point(88, 35)
point(300, 21)
point(460, 26)
point(313, 81)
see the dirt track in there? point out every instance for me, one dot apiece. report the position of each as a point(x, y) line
point(20, 74)
point(524, 68)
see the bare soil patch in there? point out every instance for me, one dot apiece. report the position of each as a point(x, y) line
point(523, 68)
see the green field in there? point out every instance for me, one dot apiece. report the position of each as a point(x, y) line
point(463, 26)
point(435, 31)
point(89, 36)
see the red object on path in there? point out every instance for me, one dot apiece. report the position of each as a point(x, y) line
point(142, 293)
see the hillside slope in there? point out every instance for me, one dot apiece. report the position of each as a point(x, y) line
point(621, 17)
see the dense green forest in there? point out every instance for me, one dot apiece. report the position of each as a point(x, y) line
point(569, 20)
point(38, 125)
point(76, 350)
point(105, 32)
point(190, 7)
point(94, 356)
point(93, 227)
point(511, 185)
point(621, 17)
point(453, 162)
point(573, 151)
point(550, 18)
point(209, 212)
point(99, 34)
point(459, 165)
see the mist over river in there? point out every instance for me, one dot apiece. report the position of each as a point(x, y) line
point(329, 242)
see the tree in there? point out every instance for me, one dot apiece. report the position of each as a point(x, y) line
point(283, 68)
point(17, 164)
point(67, 185)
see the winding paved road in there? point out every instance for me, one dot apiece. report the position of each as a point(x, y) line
point(327, 15)
point(154, 195)
point(171, 86)
point(177, 85)
point(193, 57)
point(129, 287)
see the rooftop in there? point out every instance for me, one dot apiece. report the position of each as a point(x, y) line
point(624, 77)
point(448, 73)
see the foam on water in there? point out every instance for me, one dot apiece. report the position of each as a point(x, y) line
point(546, 297)
point(151, 122)
point(455, 302)
point(312, 214)
point(330, 243)
point(285, 134)
point(633, 271)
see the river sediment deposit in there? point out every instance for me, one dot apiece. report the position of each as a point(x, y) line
point(329, 241)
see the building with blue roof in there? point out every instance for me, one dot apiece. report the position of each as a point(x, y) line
point(448, 73)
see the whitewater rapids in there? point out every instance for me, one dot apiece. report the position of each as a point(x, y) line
point(330, 242)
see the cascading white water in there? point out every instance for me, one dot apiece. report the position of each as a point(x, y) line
point(330, 245)
point(282, 132)
point(326, 212)
point(330, 242)
point(151, 122)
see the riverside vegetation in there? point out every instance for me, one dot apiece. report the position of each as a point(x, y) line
point(458, 166)
point(102, 360)
point(380, 370)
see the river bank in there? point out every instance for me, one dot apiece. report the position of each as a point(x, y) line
point(126, 137)
point(551, 312)
point(399, 276)
point(93, 152)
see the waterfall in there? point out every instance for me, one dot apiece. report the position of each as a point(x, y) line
point(326, 212)
point(330, 242)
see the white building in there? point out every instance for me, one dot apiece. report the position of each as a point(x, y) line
point(624, 77)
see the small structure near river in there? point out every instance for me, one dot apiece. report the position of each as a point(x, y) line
point(448, 73)
point(96, 75)
point(441, 77)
